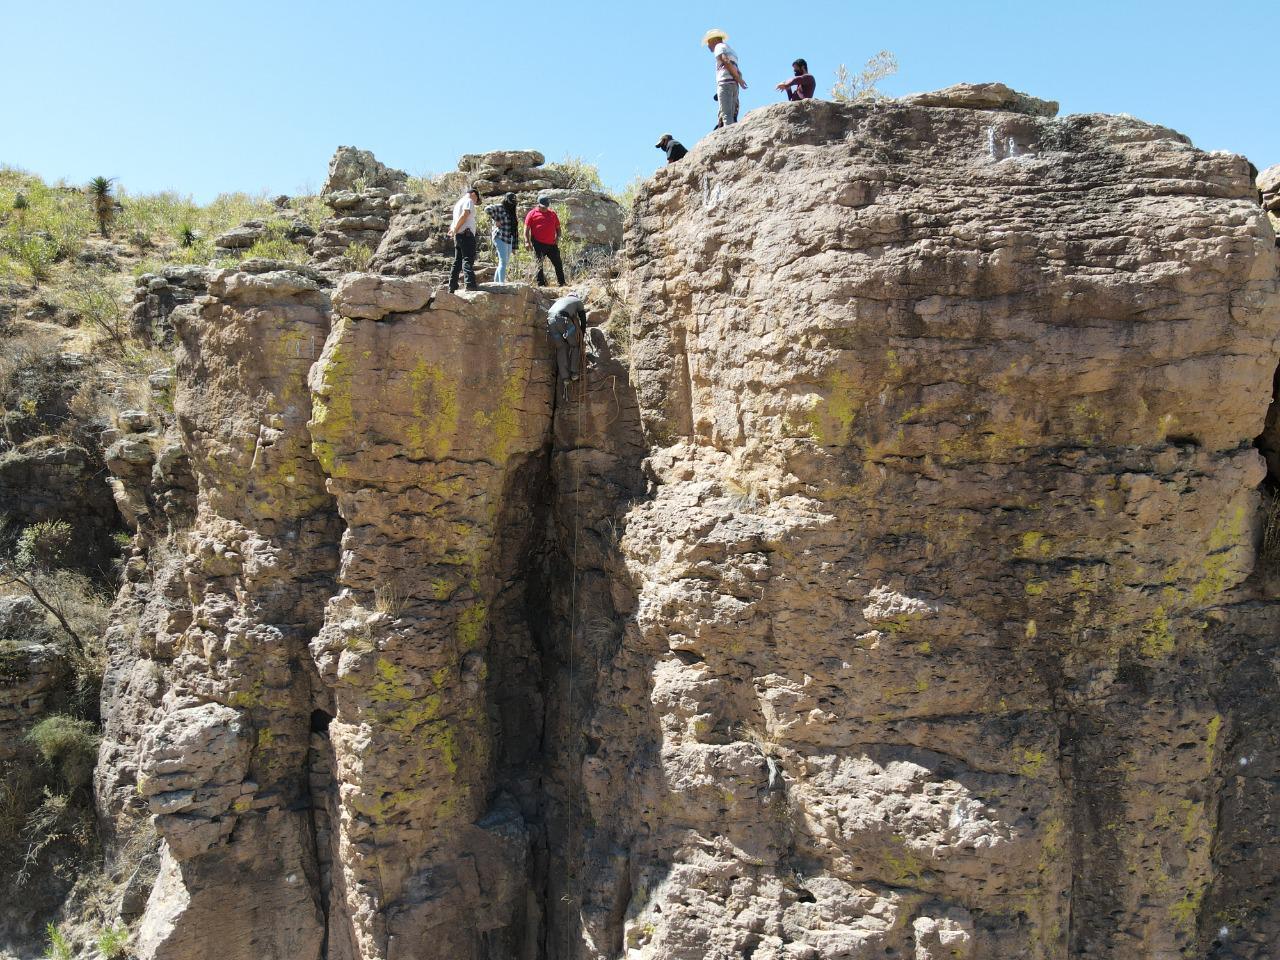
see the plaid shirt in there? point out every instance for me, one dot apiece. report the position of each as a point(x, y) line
point(504, 225)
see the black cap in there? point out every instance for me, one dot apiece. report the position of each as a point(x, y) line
point(663, 141)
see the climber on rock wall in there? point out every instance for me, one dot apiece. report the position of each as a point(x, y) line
point(728, 77)
point(566, 320)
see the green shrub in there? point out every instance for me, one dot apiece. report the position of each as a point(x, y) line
point(97, 305)
point(627, 198)
point(172, 218)
point(437, 187)
point(276, 245)
point(310, 209)
point(850, 88)
point(113, 944)
point(357, 257)
point(36, 255)
point(578, 174)
point(55, 212)
point(44, 545)
point(59, 946)
point(69, 745)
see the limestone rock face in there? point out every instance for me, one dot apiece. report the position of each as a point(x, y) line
point(353, 169)
point(886, 588)
point(955, 503)
point(426, 421)
point(359, 217)
point(33, 671)
point(157, 295)
point(500, 171)
point(1269, 186)
point(208, 719)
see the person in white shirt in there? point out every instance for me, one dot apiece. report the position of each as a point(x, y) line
point(728, 76)
point(463, 231)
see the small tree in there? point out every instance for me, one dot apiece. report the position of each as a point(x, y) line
point(853, 88)
point(103, 202)
point(42, 547)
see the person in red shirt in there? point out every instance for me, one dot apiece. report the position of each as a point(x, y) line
point(802, 85)
point(542, 233)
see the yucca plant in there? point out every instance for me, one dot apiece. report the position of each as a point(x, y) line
point(103, 201)
point(187, 236)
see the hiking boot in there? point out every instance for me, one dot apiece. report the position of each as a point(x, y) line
point(473, 288)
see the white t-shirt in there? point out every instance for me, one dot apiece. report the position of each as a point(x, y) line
point(466, 208)
point(722, 49)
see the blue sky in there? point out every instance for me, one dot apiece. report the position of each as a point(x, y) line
point(205, 97)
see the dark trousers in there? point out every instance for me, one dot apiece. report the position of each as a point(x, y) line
point(552, 252)
point(464, 260)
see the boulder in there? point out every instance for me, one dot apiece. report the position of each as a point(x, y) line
point(1269, 186)
point(354, 169)
point(984, 96)
point(500, 160)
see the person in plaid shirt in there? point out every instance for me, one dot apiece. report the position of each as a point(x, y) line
point(505, 239)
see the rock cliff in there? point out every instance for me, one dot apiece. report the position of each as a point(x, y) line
point(891, 586)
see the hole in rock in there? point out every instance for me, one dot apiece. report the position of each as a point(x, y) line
point(320, 722)
point(688, 657)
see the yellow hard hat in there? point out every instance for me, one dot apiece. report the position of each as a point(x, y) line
point(714, 34)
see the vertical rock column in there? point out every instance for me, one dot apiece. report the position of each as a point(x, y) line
point(428, 416)
point(223, 765)
point(955, 504)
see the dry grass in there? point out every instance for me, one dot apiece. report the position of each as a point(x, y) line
point(389, 599)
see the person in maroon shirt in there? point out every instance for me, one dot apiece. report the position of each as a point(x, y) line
point(802, 85)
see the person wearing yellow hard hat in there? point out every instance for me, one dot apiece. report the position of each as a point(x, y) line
point(728, 76)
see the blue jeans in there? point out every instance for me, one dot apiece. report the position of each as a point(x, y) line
point(504, 254)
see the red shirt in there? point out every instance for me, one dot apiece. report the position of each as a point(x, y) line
point(543, 224)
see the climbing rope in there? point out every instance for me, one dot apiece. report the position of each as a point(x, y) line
point(573, 619)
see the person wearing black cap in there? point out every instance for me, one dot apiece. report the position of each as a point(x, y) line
point(542, 233)
point(673, 147)
point(463, 231)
